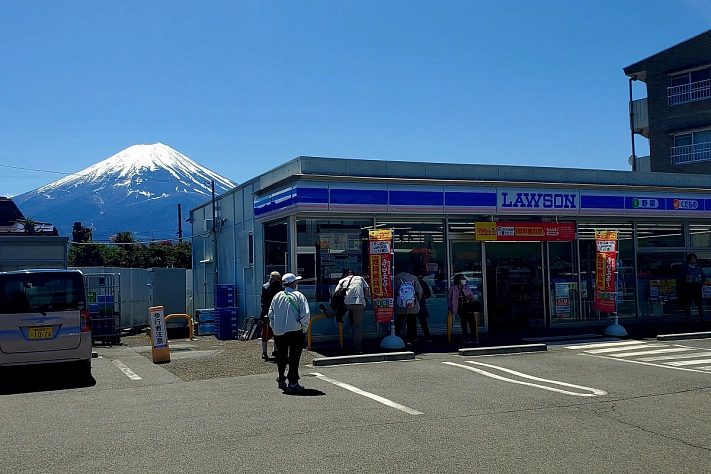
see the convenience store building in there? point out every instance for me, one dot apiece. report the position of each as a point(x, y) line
point(523, 236)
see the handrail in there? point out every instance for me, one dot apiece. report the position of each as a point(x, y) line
point(321, 316)
point(186, 316)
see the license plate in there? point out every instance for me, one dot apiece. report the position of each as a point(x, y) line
point(41, 333)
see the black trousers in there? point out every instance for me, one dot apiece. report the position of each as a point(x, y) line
point(290, 345)
point(411, 333)
point(693, 297)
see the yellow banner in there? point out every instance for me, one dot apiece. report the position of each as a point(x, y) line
point(485, 230)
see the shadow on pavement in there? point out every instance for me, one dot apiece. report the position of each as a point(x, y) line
point(46, 378)
point(306, 392)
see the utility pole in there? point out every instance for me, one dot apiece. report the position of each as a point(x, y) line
point(180, 225)
point(214, 232)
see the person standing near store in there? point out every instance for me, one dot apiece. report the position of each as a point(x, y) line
point(269, 289)
point(407, 293)
point(289, 317)
point(424, 313)
point(357, 294)
point(460, 300)
point(692, 280)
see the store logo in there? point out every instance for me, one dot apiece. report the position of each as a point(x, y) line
point(689, 204)
point(540, 200)
point(645, 203)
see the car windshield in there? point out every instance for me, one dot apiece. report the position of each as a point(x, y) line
point(32, 292)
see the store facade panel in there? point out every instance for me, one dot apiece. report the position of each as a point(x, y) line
point(527, 248)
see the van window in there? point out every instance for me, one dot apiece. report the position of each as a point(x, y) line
point(30, 292)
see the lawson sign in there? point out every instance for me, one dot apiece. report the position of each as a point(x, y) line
point(537, 200)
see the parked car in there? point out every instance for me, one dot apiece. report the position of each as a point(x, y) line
point(44, 319)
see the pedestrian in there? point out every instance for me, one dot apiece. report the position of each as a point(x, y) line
point(269, 289)
point(357, 293)
point(460, 301)
point(407, 293)
point(692, 281)
point(424, 313)
point(289, 318)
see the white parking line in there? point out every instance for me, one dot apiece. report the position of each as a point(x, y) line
point(675, 356)
point(123, 368)
point(688, 362)
point(595, 391)
point(626, 348)
point(372, 396)
point(645, 363)
point(658, 351)
point(606, 344)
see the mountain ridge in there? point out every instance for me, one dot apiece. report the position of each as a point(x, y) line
point(137, 189)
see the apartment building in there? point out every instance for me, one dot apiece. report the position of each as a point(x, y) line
point(676, 114)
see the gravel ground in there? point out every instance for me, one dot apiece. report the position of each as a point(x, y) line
point(206, 357)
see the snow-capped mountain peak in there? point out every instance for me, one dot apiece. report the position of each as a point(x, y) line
point(136, 189)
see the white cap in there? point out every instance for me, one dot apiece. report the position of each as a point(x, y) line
point(289, 278)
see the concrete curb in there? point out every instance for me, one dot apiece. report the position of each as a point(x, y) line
point(685, 335)
point(361, 358)
point(475, 351)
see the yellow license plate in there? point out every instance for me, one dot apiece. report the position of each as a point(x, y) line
point(41, 333)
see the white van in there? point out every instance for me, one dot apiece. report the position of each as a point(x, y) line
point(44, 318)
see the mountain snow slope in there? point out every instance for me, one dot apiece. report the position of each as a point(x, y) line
point(136, 190)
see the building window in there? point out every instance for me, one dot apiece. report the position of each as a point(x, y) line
point(690, 87)
point(692, 147)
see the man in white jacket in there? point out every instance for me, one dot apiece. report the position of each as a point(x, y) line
point(289, 318)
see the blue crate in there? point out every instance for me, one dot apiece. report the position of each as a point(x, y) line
point(225, 290)
point(205, 329)
point(224, 301)
point(105, 299)
point(93, 308)
point(206, 315)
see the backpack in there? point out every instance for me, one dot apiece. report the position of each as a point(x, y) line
point(406, 294)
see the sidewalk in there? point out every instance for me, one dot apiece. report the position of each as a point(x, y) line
point(505, 337)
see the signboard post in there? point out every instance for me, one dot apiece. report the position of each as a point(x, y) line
point(380, 250)
point(606, 279)
point(159, 335)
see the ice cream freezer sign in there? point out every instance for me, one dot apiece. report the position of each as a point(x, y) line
point(380, 246)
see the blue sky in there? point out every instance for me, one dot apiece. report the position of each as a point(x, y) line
point(244, 86)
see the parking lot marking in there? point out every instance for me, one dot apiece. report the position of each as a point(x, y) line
point(657, 351)
point(686, 369)
point(123, 368)
point(372, 396)
point(675, 356)
point(605, 344)
point(682, 363)
point(608, 350)
point(594, 391)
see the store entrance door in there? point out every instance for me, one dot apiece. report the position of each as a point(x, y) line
point(514, 284)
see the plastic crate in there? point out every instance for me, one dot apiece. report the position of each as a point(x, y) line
point(205, 328)
point(206, 315)
point(224, 301)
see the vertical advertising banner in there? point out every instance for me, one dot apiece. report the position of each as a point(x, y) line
point(380, 249)
point(606, 271)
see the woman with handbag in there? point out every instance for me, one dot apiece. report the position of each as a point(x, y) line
point(460, 301)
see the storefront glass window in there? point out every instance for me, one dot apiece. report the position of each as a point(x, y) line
point(700, 235)
point(659, 234)
point(419, 246)
point(564, 294)
point(658, 274)
point(626, 290)
point(276, 247)
point(326, 248)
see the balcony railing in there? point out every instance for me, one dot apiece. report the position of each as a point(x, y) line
point(691, 153)
point(689, 92)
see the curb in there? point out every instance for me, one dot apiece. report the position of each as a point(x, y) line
point(360, 358)
point(684, 335)
point(473, 351)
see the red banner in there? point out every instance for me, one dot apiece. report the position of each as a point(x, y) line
point(606, 272)
point(380, 243)
point(525, 231)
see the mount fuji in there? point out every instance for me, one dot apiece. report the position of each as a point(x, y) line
point(136, 190)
